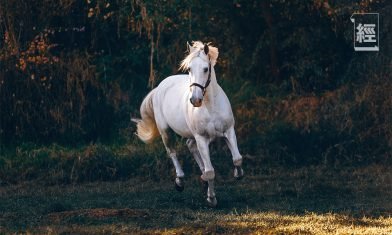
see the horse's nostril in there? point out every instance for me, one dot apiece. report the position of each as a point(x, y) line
point(195, 102)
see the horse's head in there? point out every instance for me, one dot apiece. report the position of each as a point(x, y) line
point(199, 64)
point(200, 75)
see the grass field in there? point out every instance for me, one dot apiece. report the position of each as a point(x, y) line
point(309, 200)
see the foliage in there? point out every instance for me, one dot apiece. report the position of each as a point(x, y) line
point(73, 72)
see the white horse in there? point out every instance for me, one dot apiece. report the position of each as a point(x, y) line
point(193, 106)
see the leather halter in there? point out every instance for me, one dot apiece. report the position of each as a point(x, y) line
point(204, 88)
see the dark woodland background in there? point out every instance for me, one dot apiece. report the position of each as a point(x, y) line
point(73, 73)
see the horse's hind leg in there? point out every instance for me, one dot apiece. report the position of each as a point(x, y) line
point(168, 141)
point(191, 143)
point(231, 141)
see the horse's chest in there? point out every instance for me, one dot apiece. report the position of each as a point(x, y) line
point(213, 126)
point(216, 128)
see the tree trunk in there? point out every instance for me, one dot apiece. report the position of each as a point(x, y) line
point(274, 67)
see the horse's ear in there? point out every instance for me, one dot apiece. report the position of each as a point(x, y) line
point(206, 49)
point(189, 48)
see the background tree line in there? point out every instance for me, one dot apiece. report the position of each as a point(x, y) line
point(73, 72)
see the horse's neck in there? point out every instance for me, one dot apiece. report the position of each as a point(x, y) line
point(212, 91)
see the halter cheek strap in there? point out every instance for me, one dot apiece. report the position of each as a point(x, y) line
point(204, 88)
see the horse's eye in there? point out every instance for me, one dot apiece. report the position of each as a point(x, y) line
point(205, 70)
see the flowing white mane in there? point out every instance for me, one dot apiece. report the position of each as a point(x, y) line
point(198, 47)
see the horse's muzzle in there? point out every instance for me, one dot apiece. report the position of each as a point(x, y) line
point(196, 102)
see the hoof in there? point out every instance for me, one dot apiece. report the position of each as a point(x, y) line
point(238, 172)
point(212, 202)
point(179, 184)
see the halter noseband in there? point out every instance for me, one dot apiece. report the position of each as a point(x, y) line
point(204, 88)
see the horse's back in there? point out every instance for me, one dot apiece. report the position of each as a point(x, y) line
point(174, 80)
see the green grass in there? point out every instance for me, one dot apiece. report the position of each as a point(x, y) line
point(277, 200)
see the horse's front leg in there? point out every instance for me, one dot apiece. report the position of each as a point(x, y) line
point(209, 173)
point(231, 141)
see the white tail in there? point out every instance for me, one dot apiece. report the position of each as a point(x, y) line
point(146, 127)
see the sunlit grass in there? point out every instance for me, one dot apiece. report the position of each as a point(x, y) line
point(275, 223)
point(210, 222)
point(309, 223)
